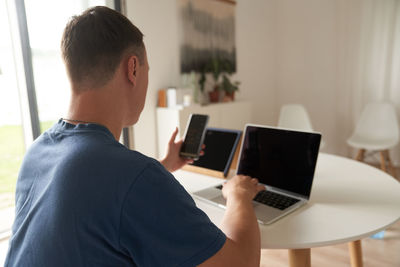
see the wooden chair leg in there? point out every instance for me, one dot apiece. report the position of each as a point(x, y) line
point(360, 154)
point(383, 160)
point(391, 167)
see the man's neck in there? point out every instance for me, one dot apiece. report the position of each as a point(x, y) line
point(96, 108)
point(77, 119)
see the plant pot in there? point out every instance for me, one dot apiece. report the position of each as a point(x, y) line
point(229, 97)
point(214, 96)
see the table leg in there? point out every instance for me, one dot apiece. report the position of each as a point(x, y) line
point(356, 254)
point(300, 257)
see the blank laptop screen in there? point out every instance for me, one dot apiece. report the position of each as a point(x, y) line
point(280, 158)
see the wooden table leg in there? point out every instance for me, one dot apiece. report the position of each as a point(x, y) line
point(356, 254)
point(300, 257)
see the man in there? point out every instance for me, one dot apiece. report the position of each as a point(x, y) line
point(83, 199)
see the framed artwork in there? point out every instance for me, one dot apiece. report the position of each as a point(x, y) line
point(207, 34)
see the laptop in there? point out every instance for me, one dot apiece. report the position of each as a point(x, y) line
point(281, 159)
point(220, 147)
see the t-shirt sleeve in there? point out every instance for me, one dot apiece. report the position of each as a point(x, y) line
point(161, 225)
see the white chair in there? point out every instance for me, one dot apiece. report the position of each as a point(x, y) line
point(295, 116)
point(376, 130)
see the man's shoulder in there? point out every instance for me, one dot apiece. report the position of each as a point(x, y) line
point(93, 153)
point(121, 155)
point(127, 163)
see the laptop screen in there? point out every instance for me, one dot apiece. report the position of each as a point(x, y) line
point(280, 158)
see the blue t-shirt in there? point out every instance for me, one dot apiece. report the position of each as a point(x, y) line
point(83, 199)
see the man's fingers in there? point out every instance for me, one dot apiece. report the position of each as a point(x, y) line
point(260, 187)
point(254, 180)
point(172, 140)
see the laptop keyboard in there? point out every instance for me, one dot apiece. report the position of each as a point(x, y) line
point(272, 199)
point(275, 200)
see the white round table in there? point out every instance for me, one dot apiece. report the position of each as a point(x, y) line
point(349, 201)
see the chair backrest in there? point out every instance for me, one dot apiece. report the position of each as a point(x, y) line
point(294, 116)
point(378, 121)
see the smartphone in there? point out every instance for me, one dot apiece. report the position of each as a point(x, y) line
point(194, 136)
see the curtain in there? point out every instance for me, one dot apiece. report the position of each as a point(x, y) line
point(376, 62)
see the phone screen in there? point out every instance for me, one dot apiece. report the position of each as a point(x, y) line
point(194, 136)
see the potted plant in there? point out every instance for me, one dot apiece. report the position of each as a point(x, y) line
point(220, 68)
point(229, 88)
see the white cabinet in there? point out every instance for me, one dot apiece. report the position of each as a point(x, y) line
point(231, 115)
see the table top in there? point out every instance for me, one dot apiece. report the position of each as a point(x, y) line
point(349, 200)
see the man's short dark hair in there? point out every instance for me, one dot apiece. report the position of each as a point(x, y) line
point(94, 43)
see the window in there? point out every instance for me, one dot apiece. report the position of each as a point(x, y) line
point(45, 32)
point(45, 22)
point(11, 132)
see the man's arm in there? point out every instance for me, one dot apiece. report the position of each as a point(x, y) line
point(243, 245)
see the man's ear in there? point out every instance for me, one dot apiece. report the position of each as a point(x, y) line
point(133, 66)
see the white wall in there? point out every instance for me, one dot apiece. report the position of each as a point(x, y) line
point(287, 52)
point(158, 20)
point(331, 58)
point(306, 61)
point(256, 57)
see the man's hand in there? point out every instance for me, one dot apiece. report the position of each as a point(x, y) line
point(172, 160)
point(243, 188)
